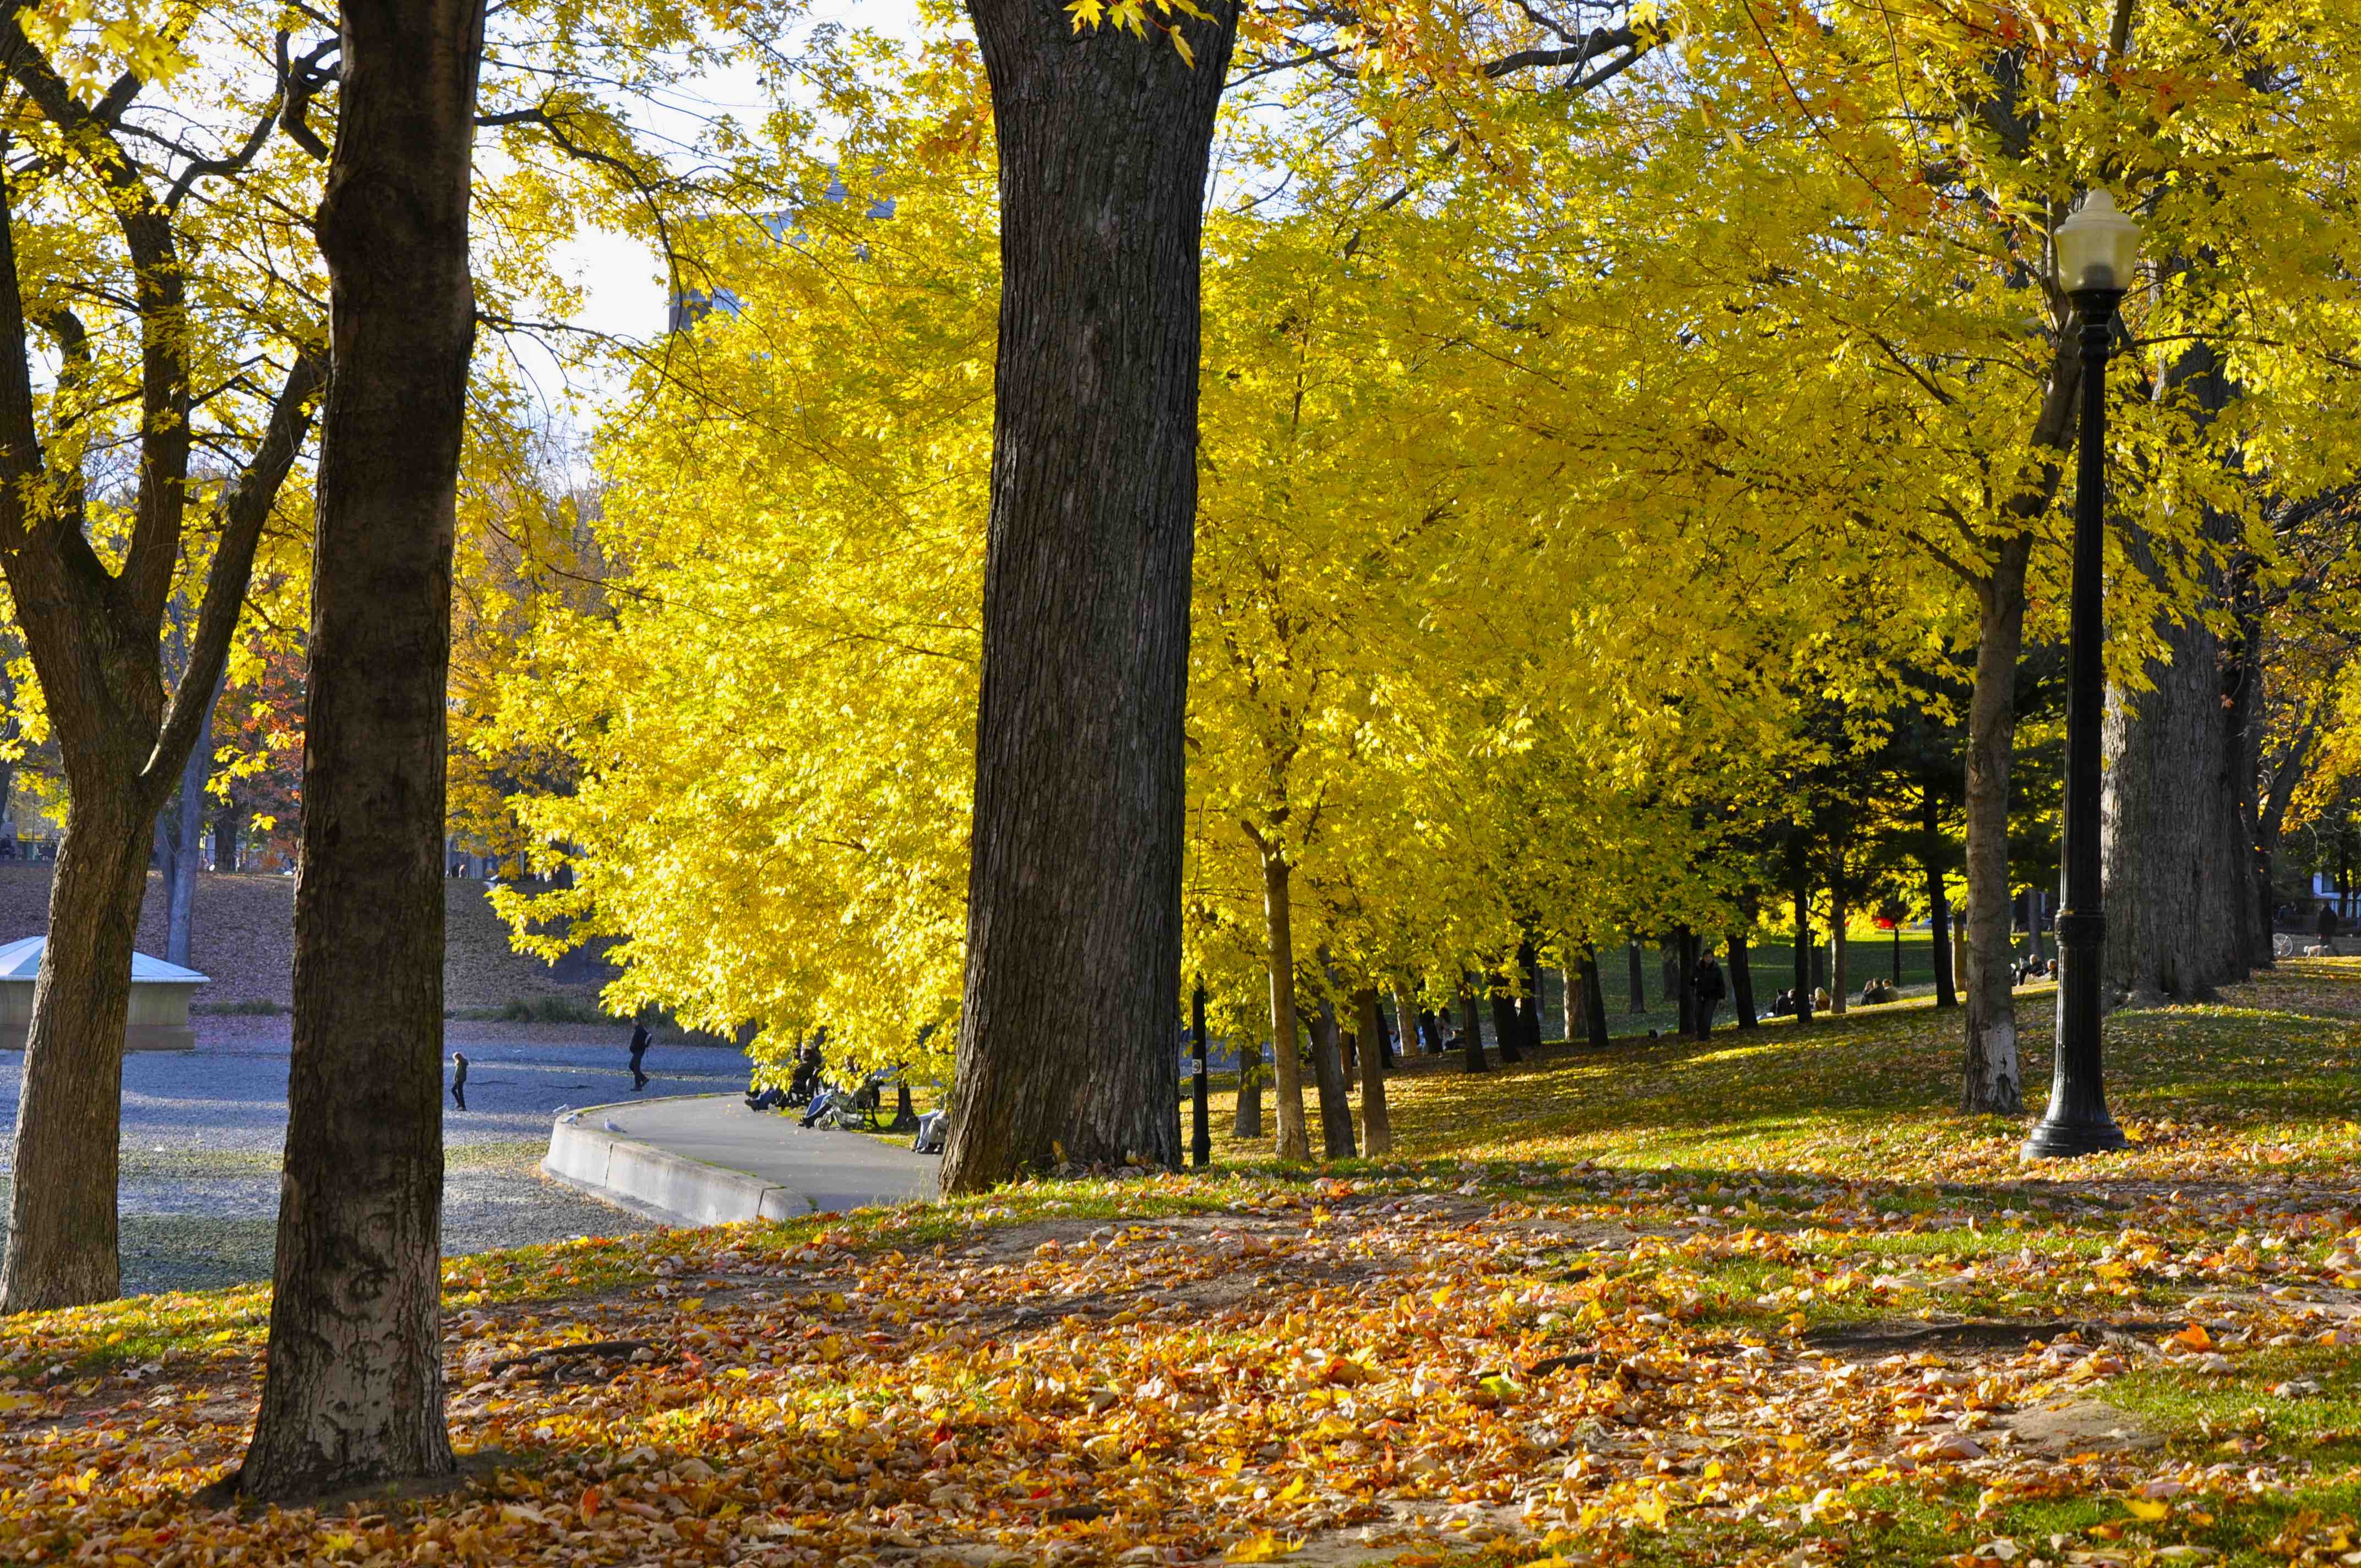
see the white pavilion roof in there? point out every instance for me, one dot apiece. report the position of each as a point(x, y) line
point(21, 960)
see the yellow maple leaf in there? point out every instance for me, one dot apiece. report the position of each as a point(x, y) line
point(1264, 1548)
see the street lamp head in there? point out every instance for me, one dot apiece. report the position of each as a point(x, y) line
point(2097, 245)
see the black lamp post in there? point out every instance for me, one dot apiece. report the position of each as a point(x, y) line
point(1201, 1142)
point(2096, 249)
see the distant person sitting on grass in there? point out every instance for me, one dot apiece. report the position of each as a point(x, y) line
point(458, 1081)
point(1876, 991)
point(639, 1038)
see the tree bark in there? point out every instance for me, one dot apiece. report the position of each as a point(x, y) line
point(1472, 1044)
point(1328, 1073)
point(1801, 867)
point(1635, 979)
point(1073, 966)
point(1938, 901)
point(1742, 981)
point(1839, 942)
point(1680, 976)
point(1529, 1006)
point(1594, 998)
point(1248, 1122)
point(1993, 1081)
point(1508, 1029)
point(62, 1234)
point(1286, 1050)
point(2178, 857)
point(1377, 1126)
point(229, 827)
point(353, 1394)
point(188, 843)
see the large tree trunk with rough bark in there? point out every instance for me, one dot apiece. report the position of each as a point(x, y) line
point(1995, 1078)
point(1073, 955)
point(2177, 854)
point(1247, 1122)
point(1287, 1056)
point(1377, 1127)
point(353, 1395)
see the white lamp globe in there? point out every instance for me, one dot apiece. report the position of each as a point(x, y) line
point(2097, 245)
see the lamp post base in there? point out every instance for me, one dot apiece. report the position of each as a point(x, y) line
point(2071, 1140)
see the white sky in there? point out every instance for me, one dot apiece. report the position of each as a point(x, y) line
point(623, 280)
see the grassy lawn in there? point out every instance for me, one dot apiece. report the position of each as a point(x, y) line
point(1765, 1300)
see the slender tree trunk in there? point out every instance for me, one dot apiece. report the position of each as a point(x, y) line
point(1074, 969)
point(353, 1394)
point(1636, 979)
point(188, 843)
point(1287, 1058)
point(1994, 1079)
point(1328, 1073)
point(1802, 870)
point(1415, 1024)
point(1529, 1007)
point(1742, 981)
point(1594, 997)
point(1473, 1041)
point(229, 828)
point(61, 1213)
point(1429, 1032)
point(1839, 944)
point(1377, 1127)
point(1508, 1029)
point(1680, 976)
point(1248, 1123)
point(1570, 984)
point(1938, 901)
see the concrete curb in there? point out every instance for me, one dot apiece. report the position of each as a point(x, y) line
point(664, 1186)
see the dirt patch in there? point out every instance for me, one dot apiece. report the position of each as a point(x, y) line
point(2062, 1429)
point(1881, 1337)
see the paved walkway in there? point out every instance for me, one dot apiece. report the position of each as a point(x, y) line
point(830, 1171)
point(203, 1131)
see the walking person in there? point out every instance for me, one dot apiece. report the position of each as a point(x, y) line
point(639, 1053)
point(458, 1081)
point(1710, 989)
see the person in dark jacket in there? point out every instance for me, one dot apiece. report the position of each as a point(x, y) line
point(458, 1081)
point(2327, 924)
point(639, 1053)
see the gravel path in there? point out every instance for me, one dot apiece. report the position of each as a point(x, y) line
point(203, 1131)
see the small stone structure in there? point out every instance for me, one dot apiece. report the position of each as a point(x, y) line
point(159, 999)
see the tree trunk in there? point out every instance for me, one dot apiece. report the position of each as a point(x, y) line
point(62, 1234)
point(1508, 1029)
point(1994, 1079)
point(229, 828)
point(1328, 1074)
point(1473, 1041)
point(1802, 870)
point(1680, 976)
point(353, 1394)
point(1377, 1127)
point(1839, 943)
point(1414, 1024)
point(1938, 901)
point(1742, 981)
point(1429, 1032)
point(1073, 967)
point(188, 843)
point(1285, 1053)
point(1529, 1006)
point(1248, 1123)
point(1570, 984)
point(1594, 997)
point(1636, 979)
point(2177, 857)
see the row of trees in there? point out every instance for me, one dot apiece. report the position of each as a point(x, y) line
point(1586, 400)
point(1629, 496)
